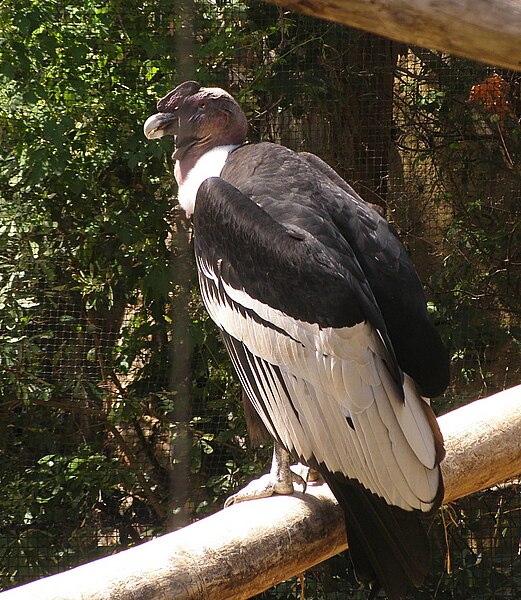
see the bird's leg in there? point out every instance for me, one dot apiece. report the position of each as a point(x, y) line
point(279, 480)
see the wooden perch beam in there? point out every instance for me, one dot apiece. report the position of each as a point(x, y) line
point(250, 547)
point(483, 30)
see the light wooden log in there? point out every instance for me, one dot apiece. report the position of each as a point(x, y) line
point(483, 442)
point(483, 30)
point(250, 547)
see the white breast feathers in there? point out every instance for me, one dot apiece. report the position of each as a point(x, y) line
point(210, 164)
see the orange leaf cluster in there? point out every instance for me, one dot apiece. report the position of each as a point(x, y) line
point(493, 94)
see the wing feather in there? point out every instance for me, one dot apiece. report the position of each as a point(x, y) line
point(328, 393)
point(309, 402)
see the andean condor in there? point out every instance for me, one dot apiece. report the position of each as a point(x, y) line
point(325, 322)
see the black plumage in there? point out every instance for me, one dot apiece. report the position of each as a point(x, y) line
point(275, 178)
point(326, 324)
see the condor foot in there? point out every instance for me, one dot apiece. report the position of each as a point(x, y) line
point(266, 486)
point(279, 480)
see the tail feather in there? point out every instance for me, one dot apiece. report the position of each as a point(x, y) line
point(388, 545)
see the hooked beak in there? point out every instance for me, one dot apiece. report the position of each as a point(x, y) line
point(160, 125)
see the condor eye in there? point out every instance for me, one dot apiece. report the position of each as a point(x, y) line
point(202, 105)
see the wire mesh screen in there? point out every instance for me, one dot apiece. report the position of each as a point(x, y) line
point(99, 313)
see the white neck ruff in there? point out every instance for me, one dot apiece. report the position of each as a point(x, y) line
point(210, 164)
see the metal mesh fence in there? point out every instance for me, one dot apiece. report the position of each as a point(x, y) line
point(91, 282)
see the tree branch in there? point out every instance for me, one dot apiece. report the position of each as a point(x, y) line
point(252, 546)
point(484, 30)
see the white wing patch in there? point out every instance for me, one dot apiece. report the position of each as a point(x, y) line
point(337, 401)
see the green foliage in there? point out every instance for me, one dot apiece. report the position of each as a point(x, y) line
point(73, 151)
point(54, 511)
point(86, 283)
point(59, 484)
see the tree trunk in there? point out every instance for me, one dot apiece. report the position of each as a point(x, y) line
point(360, 113)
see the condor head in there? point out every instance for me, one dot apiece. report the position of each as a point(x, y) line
point(199, 118)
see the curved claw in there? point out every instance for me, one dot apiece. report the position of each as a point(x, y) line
point(297, 479)
point(306, 475)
